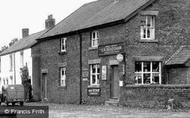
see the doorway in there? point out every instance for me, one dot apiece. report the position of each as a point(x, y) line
point(114, 82)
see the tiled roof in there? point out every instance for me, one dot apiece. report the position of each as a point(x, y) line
point(181, 56)
point(96, 13)
point(24, 43)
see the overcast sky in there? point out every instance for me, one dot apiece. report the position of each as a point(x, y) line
point(18, 14)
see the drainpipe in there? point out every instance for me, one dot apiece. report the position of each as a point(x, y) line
point(80, 40)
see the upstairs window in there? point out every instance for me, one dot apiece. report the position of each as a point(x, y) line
point(148, 27)
point(147, 72)
point(63, 76)
point(94, 39)
point(94, 74)
point(63, 44)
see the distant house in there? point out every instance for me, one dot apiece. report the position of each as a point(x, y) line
point(19, 55)
point(109, 44)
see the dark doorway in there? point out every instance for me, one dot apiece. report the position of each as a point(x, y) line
point(44, 87)
point(114, 86)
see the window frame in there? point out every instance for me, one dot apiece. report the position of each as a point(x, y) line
point(96, 74)
point(63, 44)
point(145, 28)
point(94, 39)
point(151, 72)
point(62, 77)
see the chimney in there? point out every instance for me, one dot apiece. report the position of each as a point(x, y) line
point(25, 32)
point(50, 22)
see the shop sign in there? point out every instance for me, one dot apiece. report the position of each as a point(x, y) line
point(85, 74)
point(104, 72)
point(119, 57)
point(94, 91)
point(110, 49)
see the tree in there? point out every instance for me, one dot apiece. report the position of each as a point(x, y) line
point(25, 81)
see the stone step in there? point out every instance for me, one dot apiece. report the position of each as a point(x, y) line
point(112, 102)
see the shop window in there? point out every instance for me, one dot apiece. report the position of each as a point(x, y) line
point(63, 76)
point(147, 72)
point(148, 27)
point(63, 44)
point(94, 74)
point(94, 39)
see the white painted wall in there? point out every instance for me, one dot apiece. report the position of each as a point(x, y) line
point(6, 74)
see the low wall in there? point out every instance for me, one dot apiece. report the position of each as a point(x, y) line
point(155, 96)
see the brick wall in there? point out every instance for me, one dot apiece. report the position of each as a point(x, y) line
point(51, 59)
point(155, 96)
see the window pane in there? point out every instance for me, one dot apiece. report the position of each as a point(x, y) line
point(138, 79)
point(155, 66)
point(155, 78)
point(93, 68)
point(138, 66)
point(148, 32)
point(93, 79)
point(146, 67)
point(98, 68)
point(98, 78)
point(146, 78)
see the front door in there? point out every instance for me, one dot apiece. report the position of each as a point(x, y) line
point(114, 86)
point(44, 87)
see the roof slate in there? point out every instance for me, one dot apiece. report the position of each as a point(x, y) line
point(96, 13)
point(24, 43)
point(181, 56)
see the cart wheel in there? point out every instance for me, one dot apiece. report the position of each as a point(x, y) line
point(21, 103)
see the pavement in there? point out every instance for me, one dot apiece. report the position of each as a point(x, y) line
point(102, 111)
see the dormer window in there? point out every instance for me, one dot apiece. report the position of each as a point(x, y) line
point(63, 44)
point(94, 39)
point(148, 27)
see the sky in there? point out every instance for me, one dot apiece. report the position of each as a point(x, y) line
point(18, 14)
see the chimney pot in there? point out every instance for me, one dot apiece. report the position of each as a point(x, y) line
point(25, 32)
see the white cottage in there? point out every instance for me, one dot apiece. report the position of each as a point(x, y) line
point(19, 55)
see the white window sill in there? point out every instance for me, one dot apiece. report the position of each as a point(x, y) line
point(92, 48)
point(93, 86)
point(148, 40)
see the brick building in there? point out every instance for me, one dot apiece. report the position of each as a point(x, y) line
point(109, 44)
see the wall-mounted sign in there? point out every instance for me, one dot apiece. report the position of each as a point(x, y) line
point(94, 91)
point(85, 73)
point(104, 72)
point(119, 57)
point(110, 49)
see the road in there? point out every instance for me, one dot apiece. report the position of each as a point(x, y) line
point(101, 111)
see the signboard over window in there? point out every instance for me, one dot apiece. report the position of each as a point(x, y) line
point(110, 49)
point(93, 91)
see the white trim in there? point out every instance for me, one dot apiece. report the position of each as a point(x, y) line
point(94, 39)
point(63, 76)
point(63, 44)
